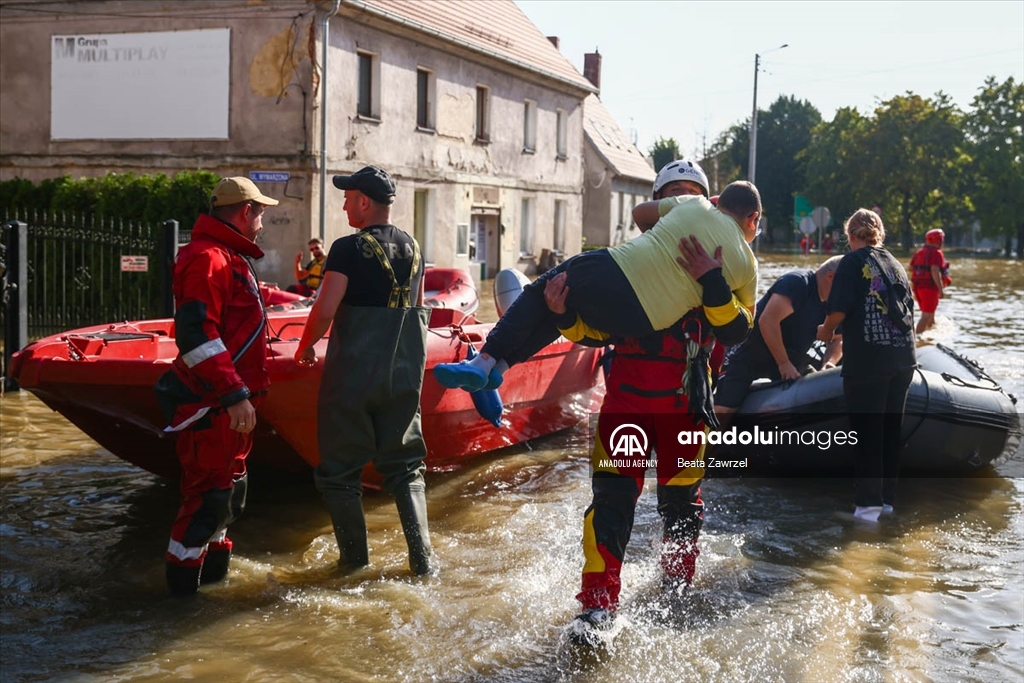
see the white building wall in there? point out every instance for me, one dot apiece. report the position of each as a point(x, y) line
point(274, 126)
point(450, 161)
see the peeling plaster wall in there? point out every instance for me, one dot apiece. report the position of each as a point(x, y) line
point(448, 161)
point(597, 208)
point(269, 121)
point(602, 193)
point(274, 125)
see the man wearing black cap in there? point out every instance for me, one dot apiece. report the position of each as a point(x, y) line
point(369, 403)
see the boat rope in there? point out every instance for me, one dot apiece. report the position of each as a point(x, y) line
point(454, 330)
point(953, 379)
point(73, 352)
point(117, 326)
point(924, 411)
point(971, 365)
point(976, 370)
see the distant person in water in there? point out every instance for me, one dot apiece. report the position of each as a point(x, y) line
point(631, 290)
point(930, 277)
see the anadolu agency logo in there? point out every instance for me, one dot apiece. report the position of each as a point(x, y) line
point(629, 449)
point(629, 441)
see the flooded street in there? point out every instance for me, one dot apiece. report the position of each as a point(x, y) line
point(786, 588)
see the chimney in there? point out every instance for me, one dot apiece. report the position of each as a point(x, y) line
point(592, 67)
point(554, 41)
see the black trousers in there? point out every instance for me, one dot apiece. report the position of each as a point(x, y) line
point(876, 407)
point(598, 291)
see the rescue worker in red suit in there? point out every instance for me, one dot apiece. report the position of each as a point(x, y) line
point(645, 389)
point(210, 394)
point(929, 278)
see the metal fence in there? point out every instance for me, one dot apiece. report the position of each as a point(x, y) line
point(63, 271)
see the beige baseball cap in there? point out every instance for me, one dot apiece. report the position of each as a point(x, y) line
point(237, 190)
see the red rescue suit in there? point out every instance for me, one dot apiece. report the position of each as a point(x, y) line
point(220, 330)
point(643, 391)
point(925, 290)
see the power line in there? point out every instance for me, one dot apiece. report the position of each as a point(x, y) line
point(29, 12)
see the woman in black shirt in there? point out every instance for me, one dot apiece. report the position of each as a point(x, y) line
point(871, 297)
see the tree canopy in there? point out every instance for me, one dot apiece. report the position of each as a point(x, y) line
point(925, 162)
point(995, 140)
point(783, 132)
point(663, 152)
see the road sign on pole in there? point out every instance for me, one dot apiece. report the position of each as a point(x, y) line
point(821, 217)
point(807, 225)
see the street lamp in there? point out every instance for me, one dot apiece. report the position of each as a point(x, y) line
point(753, 117)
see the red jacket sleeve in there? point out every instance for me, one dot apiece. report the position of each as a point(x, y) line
point(203, 286)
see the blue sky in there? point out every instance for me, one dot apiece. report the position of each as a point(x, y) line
point(686, 69)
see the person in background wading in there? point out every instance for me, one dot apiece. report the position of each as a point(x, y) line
point(930, 277)
point(368, 409)
point(211, 393)
point(871, 298)
point(644, 388)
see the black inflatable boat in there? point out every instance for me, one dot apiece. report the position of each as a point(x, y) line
point(957, 420)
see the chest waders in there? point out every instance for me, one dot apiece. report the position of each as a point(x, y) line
point(369, 411)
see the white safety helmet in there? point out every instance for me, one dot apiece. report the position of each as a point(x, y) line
point(681, 170)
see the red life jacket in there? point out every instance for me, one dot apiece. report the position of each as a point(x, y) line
point(921, 265)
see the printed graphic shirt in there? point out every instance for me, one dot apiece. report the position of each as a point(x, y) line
point(872, 345)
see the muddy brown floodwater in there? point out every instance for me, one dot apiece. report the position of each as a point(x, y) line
point(786, 589)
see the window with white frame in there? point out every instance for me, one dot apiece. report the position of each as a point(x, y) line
point(526, 227)
point(562, 134)
point(483, 113)
point(529, 126)
point(560, 225)
point(462, 239)
point(368, 104)
point(425, 99)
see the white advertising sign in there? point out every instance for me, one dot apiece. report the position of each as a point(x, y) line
point(132, 86)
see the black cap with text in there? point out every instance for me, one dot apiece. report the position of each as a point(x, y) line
point(375, 183)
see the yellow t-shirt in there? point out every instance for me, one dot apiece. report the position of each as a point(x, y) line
point(664, 289)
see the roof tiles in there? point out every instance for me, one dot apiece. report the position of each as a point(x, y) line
point(498, 27)
point(612, 143)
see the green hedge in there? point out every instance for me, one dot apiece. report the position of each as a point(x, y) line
point(146, 198)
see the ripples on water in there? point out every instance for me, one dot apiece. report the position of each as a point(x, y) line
point(786, 589)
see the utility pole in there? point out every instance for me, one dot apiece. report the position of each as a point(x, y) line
point(752, 161)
